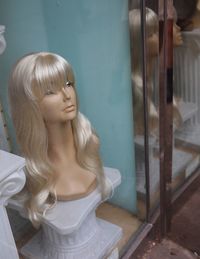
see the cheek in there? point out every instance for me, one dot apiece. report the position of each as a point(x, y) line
point(175, 31)
point(177, 38)
point(49, 109)
point(48, 113)
point(73, 96)
point(152, 46)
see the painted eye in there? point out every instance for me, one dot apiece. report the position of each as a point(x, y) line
point(69, 84)
point(49, 92)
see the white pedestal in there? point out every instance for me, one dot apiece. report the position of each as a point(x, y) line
point(186, 70)
point(189, 136)
point(71, 229)
point(93, 240)
point(12, 180)
point(187, 110)
point(180, 162)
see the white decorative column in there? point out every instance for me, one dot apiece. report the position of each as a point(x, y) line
point(186, 70)
point(12, 180)
point(187, 85)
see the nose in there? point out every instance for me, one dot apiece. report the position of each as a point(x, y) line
point(66, 94)
point(177, 28)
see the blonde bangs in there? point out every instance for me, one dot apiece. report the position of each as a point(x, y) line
point(151, 22)
point(50, 74)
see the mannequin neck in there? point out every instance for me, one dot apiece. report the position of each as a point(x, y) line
point(71, 180)
point(61, 142)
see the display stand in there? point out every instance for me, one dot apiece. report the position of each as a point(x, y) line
point(186, 86)
point(180, 160)
point(12, 180)
point(187, 110)
point(72, 230)
point(189, 134)
point(180, 163)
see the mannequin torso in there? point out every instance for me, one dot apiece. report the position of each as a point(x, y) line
point(71, 180)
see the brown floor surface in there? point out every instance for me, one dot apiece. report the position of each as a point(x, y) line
point(126, 220)
point(183, 241)
point(167, 249)
point(185, 228)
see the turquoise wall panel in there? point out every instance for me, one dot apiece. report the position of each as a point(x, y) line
point(93, 36)
point(25, 32)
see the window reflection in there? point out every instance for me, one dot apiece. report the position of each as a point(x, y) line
point(187, 79)
point(152, 52)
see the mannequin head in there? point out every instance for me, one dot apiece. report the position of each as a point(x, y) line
point(42, 92)
point(152, 41)
point(186, 10)
point(152, 44)
point(34, 80)
point(177, 36)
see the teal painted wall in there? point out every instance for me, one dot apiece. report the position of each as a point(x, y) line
point(93, 36)
point(25, 32)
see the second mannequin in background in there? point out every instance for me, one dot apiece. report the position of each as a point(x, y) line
point(152, 45)
point(136, 59)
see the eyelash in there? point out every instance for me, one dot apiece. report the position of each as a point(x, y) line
point(68, 84)
point(49, 92)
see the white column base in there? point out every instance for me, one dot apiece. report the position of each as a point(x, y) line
point(100, 238)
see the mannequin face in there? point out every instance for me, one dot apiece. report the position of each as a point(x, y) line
point(153, 45)
point(60, 106)
point(198, 5)
point(177, 36)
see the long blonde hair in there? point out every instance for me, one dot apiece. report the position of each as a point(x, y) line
point(30, 79)
point(136, 64)
point(137, 82)
point(136, 36)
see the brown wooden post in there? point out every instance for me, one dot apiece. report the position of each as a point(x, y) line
point(165, 111)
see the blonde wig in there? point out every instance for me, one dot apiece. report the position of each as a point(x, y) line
point(136, 59)
point(136, 63)
point(136, 36)
point(32, 76)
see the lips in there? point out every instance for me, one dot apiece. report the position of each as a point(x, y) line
point(69, 108)
point(180, 37)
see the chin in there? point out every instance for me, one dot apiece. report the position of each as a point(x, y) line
point(178, 43)
point(71, 116)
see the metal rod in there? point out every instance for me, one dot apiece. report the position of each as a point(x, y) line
point(162, 113)
point(145, 102)
point(169, 126)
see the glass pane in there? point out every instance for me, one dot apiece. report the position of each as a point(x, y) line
point(138, 105)
point(152, 66)
point(144, 58)
point(186, 33)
